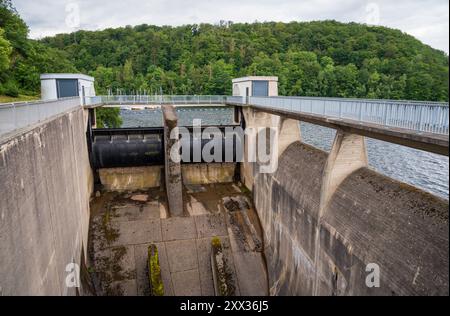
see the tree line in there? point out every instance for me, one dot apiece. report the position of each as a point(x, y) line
point(326, 58)
point(23, 60)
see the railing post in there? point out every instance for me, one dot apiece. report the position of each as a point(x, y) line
point(360, 113)
point(15, 116)
point(385, 114)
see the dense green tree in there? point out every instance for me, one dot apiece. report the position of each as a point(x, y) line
point(28, 58)
point(316, 58)
point(219, 79)
point(15, 29)
point(324, 58)
point(108, 118)
point(127, 77)
point(5, 52)
point(105, 79)
point(346, 83)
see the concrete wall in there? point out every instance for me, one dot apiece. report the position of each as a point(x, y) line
point(208, 173)
point(315, 249)
point(45, 185)
point(48, 89)
point(89, 88)
point(288, 131)
point(136, 178)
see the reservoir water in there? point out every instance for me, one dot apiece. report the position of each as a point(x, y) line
point(418, 168)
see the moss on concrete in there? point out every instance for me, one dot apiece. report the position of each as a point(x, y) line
point(215, 242)
point(110, 234)
point(154, 272)
point(223, 280)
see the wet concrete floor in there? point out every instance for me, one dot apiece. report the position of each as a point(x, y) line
point(123, 225)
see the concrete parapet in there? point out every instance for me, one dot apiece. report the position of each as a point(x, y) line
point(172, 168)
point(45, 186)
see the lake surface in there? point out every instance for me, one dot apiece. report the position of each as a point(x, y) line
point(421, 169)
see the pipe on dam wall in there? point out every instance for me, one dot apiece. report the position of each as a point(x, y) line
point(139, 147)
point(369, 219)
point(46, 183)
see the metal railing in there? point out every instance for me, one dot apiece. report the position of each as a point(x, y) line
point(430, 117)
point(155, 99)
point(14, 116)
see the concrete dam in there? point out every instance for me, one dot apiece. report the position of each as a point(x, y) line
point(87, 211)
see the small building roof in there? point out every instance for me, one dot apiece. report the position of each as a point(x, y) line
point(66, 76)
point(255, 78)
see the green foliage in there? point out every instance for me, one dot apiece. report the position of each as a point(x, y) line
point(5, 52)
point(316, 59)
point(325, 58)
point(16, 30)
point(23, 60)
point(154, 271)
point(108, 117)
point(9, 89)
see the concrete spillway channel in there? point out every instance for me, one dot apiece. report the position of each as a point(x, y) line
point(314, 226)
point(196, 224)
point(331, 225)
point(123, 226)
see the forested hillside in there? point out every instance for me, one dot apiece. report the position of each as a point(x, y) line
point(315, 59)
point(22, 60)
point(312, 59)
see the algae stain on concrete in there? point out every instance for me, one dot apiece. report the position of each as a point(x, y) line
point(154, 272)
point(223, 278)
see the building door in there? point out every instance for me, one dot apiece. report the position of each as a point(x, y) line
point(67, 88)
point(260, 89)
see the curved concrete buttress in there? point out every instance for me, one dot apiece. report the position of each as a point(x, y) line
point(368, 218)
point(288, 132)
point(287, 203)
point(374, 219)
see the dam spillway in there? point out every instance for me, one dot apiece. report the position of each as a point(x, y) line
point(318, 220)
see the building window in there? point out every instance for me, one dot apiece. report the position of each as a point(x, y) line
point(260, 89)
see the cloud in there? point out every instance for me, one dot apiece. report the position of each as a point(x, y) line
point(427, 20)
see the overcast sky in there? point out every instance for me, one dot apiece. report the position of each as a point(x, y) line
point(427, 20)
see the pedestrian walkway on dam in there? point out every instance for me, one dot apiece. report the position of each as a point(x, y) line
point(123, 225)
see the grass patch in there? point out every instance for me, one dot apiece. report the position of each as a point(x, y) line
point(20, 98)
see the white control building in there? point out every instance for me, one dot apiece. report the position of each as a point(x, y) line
point(255, 86)
point(56, 86)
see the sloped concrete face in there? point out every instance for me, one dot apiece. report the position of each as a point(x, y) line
point(46, 182)
point(369, 219)
point(287, 203)
point(396, 226)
